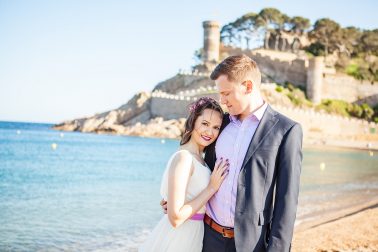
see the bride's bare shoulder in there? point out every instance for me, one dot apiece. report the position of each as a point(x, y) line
point(181, 160)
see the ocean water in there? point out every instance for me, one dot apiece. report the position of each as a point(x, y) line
point(68, 191)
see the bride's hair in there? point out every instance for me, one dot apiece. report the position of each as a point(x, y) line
point(195, 110)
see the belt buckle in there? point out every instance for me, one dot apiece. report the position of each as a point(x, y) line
point(224, 233)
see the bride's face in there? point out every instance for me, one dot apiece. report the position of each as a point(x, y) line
point(207, 127)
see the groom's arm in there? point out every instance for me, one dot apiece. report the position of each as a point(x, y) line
point(289, 165)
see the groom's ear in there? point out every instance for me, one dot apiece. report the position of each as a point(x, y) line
point(248, 86)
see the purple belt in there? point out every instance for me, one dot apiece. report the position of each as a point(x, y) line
point(198, 216)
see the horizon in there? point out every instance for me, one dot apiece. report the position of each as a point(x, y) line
point(67, 60)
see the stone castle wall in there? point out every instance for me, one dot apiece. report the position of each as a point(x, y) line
point(280, 70)
point(293, 71)
point(327, 125)
point(344, 87)
point(171, 106)
point(324, 125)
point(281, 67)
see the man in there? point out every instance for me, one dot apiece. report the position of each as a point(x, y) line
point(255, 208)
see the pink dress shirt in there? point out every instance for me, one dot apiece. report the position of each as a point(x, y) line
point(232, 144)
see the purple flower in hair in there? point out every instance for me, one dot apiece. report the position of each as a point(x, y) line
point(200, 102)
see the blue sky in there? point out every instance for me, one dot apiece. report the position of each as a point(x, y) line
point(61, 60)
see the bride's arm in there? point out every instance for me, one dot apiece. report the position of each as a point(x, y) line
point(178, 178)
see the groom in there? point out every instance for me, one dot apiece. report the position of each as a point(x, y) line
point(255, 208)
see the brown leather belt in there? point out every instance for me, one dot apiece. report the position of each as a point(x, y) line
point(225, 231)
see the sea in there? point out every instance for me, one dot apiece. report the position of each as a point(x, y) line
point(71, 191)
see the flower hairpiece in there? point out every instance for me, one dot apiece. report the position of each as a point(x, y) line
point(201, 101)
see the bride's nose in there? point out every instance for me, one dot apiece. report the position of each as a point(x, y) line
point(209, 132)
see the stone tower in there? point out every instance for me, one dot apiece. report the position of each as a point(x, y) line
point(211, 42)
point(315, 79)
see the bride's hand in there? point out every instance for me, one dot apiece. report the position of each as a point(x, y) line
point(163, 205)
point(219, 174)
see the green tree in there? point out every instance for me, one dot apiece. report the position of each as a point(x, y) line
point(369, 42)
point(299, 24)
point(328, 33)
point(246, 26)
point(350, 41)
point(270, 19)
point(282, 22)
point(228, 34)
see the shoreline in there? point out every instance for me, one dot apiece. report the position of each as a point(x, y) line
point(340, 144)
point(335, 215)
point(351, 229)
point(346, 145)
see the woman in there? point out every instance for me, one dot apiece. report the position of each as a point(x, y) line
point(188, 184)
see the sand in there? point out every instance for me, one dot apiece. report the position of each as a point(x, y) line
point(353, 231)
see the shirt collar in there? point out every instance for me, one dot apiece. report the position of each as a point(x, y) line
point(257, 115)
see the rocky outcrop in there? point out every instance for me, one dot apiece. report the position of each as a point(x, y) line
point(149, 116)
point(182, 82)
point(114, 121)
point(136, 116)
point(157, 127)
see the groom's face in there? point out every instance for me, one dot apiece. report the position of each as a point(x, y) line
point(233, 95)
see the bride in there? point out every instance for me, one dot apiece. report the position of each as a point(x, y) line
point(187, 183)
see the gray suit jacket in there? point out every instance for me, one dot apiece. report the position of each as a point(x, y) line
point(268, 184)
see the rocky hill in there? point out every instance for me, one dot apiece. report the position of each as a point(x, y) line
point(144, 116)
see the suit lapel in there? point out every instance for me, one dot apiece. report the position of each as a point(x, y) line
point(268, 121)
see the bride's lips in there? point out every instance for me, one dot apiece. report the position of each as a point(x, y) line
point(206, 138)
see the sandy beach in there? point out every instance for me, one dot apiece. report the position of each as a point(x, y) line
point(354, 229)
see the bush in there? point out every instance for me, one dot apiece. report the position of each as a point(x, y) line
point(363, 71)
point(335, 107)
point(352, 69)
point(294, 99)
point(343, 108)
point(279, 89)
point(289, 86)
point(296, 94)
point(316, 49)
point(368, 112)
point(355, 110)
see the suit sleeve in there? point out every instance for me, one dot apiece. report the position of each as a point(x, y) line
point(288, 167)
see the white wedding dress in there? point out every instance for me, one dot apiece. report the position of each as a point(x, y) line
point(188, 236)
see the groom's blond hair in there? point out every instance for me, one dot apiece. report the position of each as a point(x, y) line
point(238, 68)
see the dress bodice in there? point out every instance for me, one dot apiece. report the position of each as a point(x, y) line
point(198, 181)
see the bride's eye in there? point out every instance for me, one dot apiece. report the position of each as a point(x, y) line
point(205, 123)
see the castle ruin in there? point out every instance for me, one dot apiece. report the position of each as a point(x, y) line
point(312, 74)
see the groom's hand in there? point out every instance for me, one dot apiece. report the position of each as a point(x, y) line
point(163, 205)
